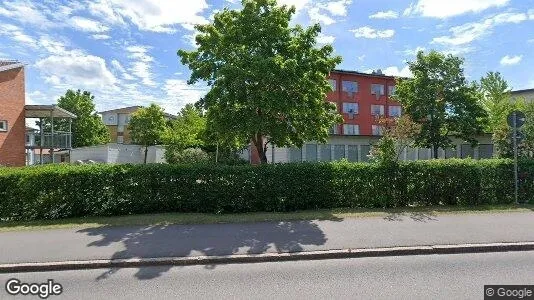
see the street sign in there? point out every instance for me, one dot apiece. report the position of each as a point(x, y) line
point(516, 119)
point(519, 136)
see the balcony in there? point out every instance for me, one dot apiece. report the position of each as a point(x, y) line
point(48, 140)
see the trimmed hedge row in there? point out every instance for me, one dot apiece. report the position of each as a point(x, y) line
point(61, 191)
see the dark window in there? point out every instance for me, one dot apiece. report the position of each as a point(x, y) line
point(352, 153)
point(311, 152)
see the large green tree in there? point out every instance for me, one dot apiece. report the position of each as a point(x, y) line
point(268, 79)
point(148, 126)
point(87, 128)
point(440, 99)
point(495, 99)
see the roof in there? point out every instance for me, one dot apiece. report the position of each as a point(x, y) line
point(127, 109)
point(131, 109)
point(46, 111)
point(378, 75)
point(523, 91)
point(6, 65)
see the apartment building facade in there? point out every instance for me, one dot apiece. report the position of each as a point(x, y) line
point(12, 121)
point(362, 99)
point(116, 120)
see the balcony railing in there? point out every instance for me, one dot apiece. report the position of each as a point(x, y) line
point(56, 140)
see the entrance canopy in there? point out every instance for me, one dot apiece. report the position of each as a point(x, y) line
point(47, 111)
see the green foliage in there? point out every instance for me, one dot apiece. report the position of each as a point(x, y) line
point(148, 126)
point(267, 79)
point(398, 133)
point(440, 99)
point(188, 156)
point(88, 128)
point(503, 133)
point(495, 100)
point(62, 191)
point(186, 131)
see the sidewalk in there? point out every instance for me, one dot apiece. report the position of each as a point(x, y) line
point(415, 229)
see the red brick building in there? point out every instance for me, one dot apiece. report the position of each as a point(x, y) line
point(12, 120)
point(361, 99)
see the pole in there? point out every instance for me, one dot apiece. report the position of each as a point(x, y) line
point(515, 160)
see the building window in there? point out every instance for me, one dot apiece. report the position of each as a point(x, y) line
point(334, 129)
point(295, 154)
point(311, 152)
point(351, 129)
point(377, 129)
point(352, 153)
point(366, 151)
point(350, 87)
point(120, 139)
point(377, 110)
point(333, 84)
point(339, 152)
point(325, 153)
point(391, 90)
point(350, 108)
point(3, 125)
point(377, 89)
point(466, 150)
point(394, 111)
point(485, 151)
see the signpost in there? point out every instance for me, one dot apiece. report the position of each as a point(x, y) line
point(516, 119)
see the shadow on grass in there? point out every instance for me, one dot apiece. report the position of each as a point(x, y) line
point(208, 239)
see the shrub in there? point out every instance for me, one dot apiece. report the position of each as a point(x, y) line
point(188, 156)
point(61, 191)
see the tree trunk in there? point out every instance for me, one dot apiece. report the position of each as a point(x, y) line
point(262, 150)
point(435, 149)
point(146, 152)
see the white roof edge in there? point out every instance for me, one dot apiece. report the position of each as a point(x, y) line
point(11, 66)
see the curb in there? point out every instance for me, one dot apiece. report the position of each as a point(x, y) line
point(267, 257)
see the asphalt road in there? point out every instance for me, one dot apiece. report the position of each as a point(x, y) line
point(459, 276)
point(413, 229)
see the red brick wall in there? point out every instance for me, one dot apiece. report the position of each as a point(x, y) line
point(363, 97)
point(12, 99)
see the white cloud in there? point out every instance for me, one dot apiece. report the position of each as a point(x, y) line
point(24, 12)
point(395, 71)
point(141, 64)
point(511, 60)
point(466, 33)
point(101, 36)
point(18, 35)
point(413, 52)
point(152, 15)
point(77, 70)
point(325, 39)
point(336, 8)
point(316, 16)
point(179, 93)
point(87, 25)
point(384, 15)
point(371, 33)
point(361, 57)
point(117, 66)
point(444, 9)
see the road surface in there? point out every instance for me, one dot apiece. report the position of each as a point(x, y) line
point(458, 276)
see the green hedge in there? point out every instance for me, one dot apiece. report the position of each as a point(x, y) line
point(61, 191)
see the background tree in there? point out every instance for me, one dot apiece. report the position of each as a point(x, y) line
point(148, 126)
point(440, 99)
point(268, 80)
point(397, 135)
point(186, 131)
point(495, 99)
point(88, 129)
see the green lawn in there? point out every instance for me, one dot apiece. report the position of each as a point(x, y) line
point(182, 218)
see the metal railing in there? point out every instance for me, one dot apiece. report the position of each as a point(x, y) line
point(56, 140)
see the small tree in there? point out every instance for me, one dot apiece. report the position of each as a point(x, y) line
point(186, 131)
point(398, 134)
point(268, 80)
point(440, 99)
point(148, 126)
point(495, 99)
point(88, 129)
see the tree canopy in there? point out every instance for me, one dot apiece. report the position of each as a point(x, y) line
point(267, 79)
point(148, 126)
point(186, 131)
point(87, 128)
point(495, 99)
point(440, 99)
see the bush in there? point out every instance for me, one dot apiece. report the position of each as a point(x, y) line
point(188, 156)
point(61, 191)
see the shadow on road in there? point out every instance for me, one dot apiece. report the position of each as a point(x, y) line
point(213, 239)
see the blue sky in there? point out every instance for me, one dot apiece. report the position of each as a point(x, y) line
point(124, 51)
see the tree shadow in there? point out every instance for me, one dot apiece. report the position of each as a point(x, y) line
point(424, 217)
point(208, 239)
